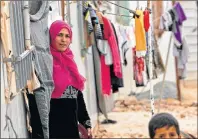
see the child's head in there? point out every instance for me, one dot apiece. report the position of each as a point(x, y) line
point(164, 125)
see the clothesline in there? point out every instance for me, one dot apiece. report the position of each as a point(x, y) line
point(104, 12)
point(126, 9)
point(131, 11)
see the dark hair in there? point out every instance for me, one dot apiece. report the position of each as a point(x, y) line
point(161, 120)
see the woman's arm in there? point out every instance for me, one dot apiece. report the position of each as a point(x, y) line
point(83, 116)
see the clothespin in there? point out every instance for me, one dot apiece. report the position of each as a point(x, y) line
point(148, 9)
point(50, 8)
point(134, 14)
point(103, 12)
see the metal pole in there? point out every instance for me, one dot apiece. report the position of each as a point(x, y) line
point(81, 27)
point(1, 65)
point(138, 4)
point(150, 64)
point(68, 13)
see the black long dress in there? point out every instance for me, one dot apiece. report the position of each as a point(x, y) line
point(65, 113)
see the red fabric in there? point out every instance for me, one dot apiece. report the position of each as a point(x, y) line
point(140, 63)
point(146, 20)
point(83, 132)
point(110, 36)
point(138, 68)
point(105, 76)
point(65, 71)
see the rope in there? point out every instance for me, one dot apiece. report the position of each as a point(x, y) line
point(131, 11)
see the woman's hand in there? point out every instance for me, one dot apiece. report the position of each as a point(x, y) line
point(89, 132)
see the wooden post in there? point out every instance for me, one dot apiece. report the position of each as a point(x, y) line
point(177, 80)
point(63, 9)
point(176, 71)
point(148, 3)
point(157, 11)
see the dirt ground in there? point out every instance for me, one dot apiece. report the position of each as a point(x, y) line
point(132, 117)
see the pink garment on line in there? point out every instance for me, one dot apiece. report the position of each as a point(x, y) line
point(110, 36)
point(65, 71)
point(105, 76)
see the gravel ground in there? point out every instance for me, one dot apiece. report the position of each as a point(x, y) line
point(132, 116)
point(169, 91)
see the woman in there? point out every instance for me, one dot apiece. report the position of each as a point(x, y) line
point(67, 105)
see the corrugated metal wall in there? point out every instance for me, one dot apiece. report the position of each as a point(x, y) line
point(23, 65)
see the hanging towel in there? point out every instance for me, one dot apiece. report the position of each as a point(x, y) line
point(140, 32)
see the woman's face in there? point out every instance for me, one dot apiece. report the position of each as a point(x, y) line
point(62, 40)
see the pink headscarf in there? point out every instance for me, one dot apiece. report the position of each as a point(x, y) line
point(65, 71)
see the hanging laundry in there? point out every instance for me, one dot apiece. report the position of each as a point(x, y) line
point(102, 47)
point(86, 13)
point(43, 60)
point(99, 15)
point(181, 18)
point(140, 32)
point(138, 69)
point(182, 56)
point(130, 33)
point(105, 57)
point(120, 41)
point(105, 103)
point(148, 45)
point(123, 45)
point(126, 40)
point(166, 22)
point(115, 81)
point(172, 21)
point(105, 77)
point(146, 20)
point(110, 36)
point(130, 43)
point(93, 15)
point(98, 32)
point(88, 27)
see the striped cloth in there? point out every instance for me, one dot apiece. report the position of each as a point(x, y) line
point(42, 59)
point(98, 32)
point(87, 15)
